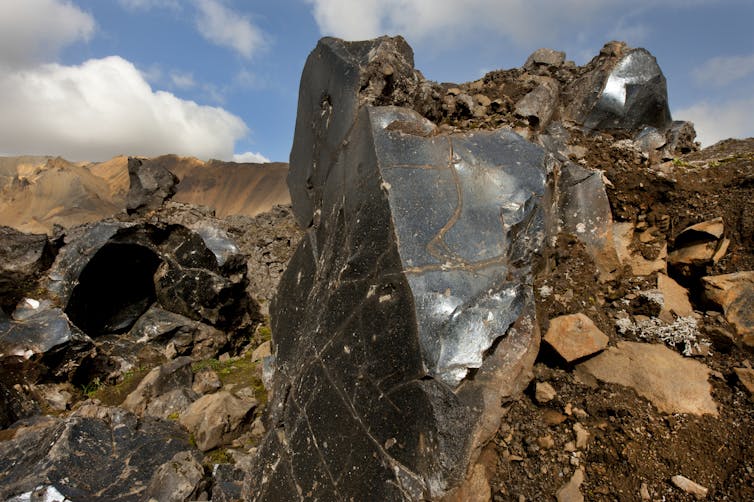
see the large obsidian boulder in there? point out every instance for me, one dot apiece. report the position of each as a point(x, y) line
point(42, 345)
point(406, 313)
point(108, 274)
point(623, 90)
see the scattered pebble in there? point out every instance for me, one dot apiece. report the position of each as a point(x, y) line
point(689, 486)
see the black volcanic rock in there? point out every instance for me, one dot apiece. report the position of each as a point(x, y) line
point(23, 258)
point(109, 273)
point(97, 453)
point(151, 184)
point(625, 90)
point(414, 276)
point(43, 345)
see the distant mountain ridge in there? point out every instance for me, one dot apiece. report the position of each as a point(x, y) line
point(38, 192)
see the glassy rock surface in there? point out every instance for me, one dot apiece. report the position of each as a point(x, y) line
point(626, 90)
point(413, 277)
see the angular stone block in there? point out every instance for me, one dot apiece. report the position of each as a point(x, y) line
point(625, 90)
point(413, 277)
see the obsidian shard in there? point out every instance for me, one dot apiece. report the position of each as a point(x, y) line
point(406, 313)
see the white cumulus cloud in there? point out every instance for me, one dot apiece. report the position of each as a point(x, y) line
point(224, 27)
point(33, 31)
point(105, 107)
point(250, 157)
point(717, 121)
point(722, 70)
point(524, 22)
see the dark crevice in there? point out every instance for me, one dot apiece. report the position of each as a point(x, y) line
point(115, 288)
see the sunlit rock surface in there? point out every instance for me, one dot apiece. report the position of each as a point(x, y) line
point(625, 91)
point(392, 324)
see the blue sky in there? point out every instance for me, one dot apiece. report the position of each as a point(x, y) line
point(91, 79)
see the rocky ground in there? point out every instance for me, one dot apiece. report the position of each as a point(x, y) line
point(570, 429)
point(641, 390)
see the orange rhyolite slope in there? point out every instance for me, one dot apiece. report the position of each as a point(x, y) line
point(38, 192)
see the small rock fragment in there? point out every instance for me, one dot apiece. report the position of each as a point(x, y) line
point(652, 371)
point(735, 294)
point(546, 442)
point(575, 336)
point(675, 297)
point(206, 381)
point(689, 486)
point(570, 491)
point(264, 350)
point(582, 435)
point(544, 392)
point(746, 377)
point(552, 417)
point(644, 492)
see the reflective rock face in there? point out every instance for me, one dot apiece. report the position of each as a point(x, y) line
point(626, 91)
point(414, 275)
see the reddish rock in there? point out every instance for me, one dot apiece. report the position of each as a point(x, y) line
point(734, 293)
point(653, 370)
point(575, 336)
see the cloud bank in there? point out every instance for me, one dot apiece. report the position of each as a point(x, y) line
point(100, 108)
point(250, 157)
point(723, 70)
point(29, 37)
point(105, 107)
point(522, 21)
point(717, 121)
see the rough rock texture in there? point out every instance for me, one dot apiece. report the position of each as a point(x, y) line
point(151, 185)
point(179, 479)
point(213, 418)
point(575, 336)
point(169, 377)
point(734, 293)
point(23, 258)
point(98, 453)
point(417, 266)
point(652, 371)
point(149, 262)
point(625, 91)
point(43, 345)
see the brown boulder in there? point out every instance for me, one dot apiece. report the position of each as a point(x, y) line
point(671, 382)
point(734, 293)
point(214, 419)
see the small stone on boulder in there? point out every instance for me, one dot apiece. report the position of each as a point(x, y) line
point(546, 57)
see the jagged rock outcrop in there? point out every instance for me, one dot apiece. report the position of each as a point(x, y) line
point(150, 185)
point(407, 309)
point(98, 453)
point(416, 270)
